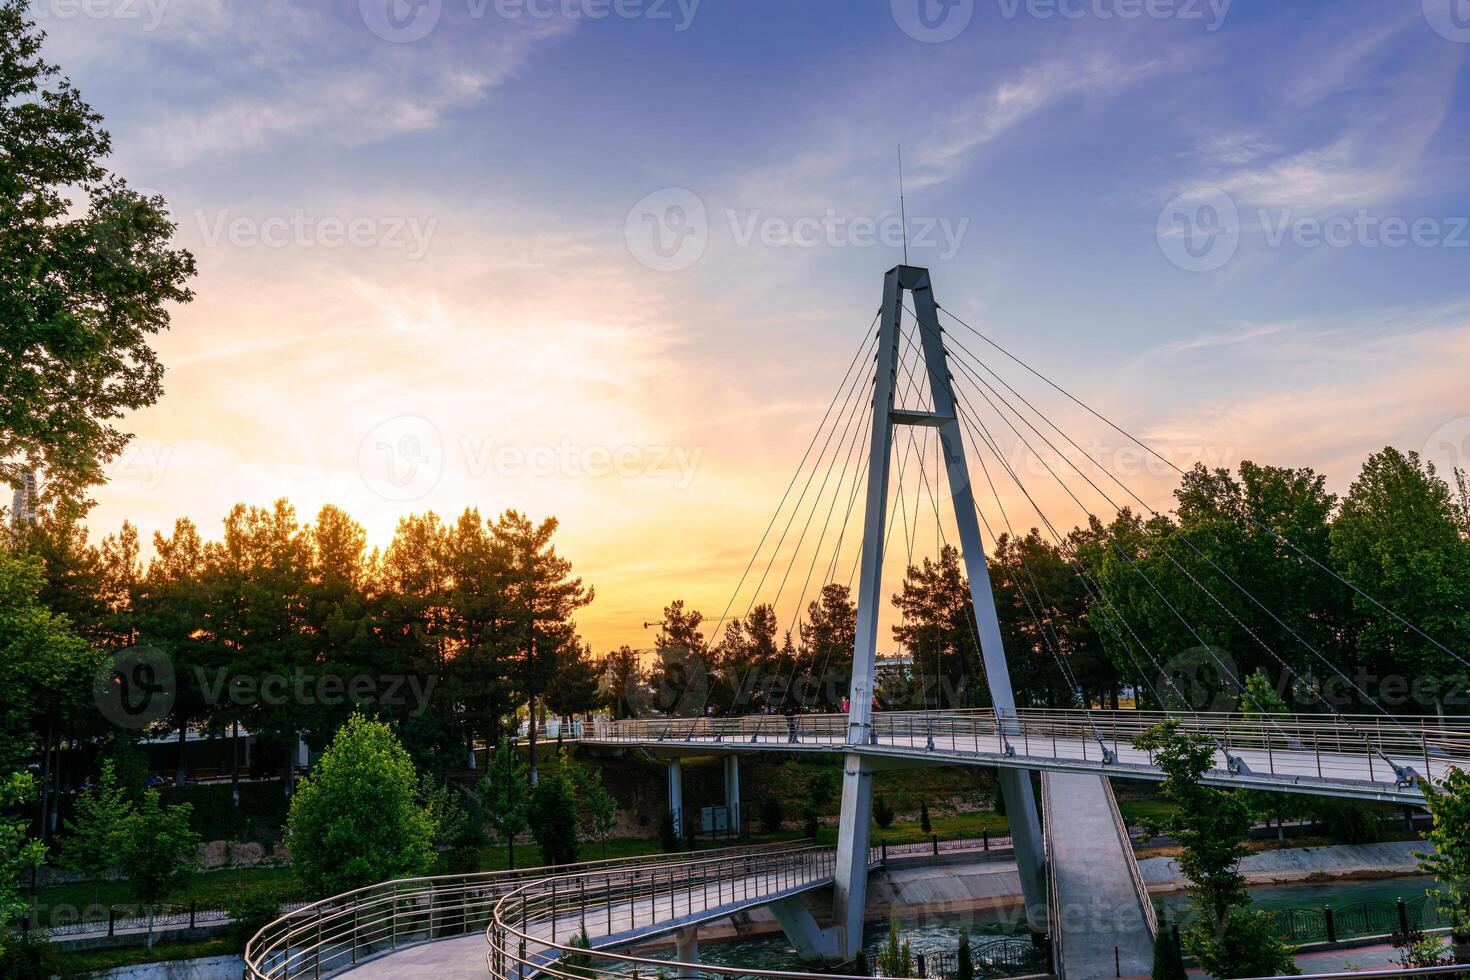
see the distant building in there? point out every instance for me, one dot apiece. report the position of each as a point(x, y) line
point(898, 666)
point(25, 502)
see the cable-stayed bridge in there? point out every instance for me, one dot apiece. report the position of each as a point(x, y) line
point(899, 436)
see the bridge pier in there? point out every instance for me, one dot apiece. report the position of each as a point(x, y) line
point(732, 793)
point(686, 950)
point(850, 879)
point(676, 796)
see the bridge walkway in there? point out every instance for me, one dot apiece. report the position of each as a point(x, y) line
point(1101, 919)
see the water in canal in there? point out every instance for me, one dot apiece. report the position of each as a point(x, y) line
point(936, 933)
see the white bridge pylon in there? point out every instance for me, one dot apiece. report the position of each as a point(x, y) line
point(857, 781)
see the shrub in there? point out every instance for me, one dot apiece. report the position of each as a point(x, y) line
point(882, 812)
point(1168, 959)
point(552, 815)
point(964, 963)
point(29, 957)
point(811, 824)
point(251, 913)
point(924, 823)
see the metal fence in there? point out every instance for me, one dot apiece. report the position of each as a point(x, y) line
point(1329, 923)
point(322, 937)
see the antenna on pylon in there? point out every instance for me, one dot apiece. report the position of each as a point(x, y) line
point(902, 214)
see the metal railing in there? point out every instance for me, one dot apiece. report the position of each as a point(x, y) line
point(1461, 970)
point(1145, 901)
point(1358, 748)
point(545, 927)
point(318, 939)
point(989, 957)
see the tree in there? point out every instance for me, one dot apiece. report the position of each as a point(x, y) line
point(1227, 937)
point(896, 959)
point(84, 284)
point(18, 853)
point(681, 675)
point(1449, 805)
point(158, 853)
point(623, 685)
point(507, 795)
point(827, 638)
point(1400, 537)
point(924, 823)
point(46, 671)
point(964, 962)
point(1168, 960)
point(597, 807)
point(357, 819)
point(552, 816)
point(882, 813)
point(544, 597)
point(937, 623)
point(97, 832)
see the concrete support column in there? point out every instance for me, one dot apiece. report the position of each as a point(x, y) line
point(676, 796)
point(686, 950)
point(851, 879)
point(732, 792)
point(1030, 848)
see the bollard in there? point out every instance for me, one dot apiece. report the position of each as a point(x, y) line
point(921, 965)
point(193, 911)
point(883, 847)
point(985, 840)
point(1331, 923)
point(934, 839)
point(111, 921)
point(1117, 964)
point(1403, 917)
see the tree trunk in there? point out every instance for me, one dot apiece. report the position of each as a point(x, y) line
point(45, 801)
point(235, 765)
point(181, 773)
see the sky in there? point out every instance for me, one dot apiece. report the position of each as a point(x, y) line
point(608, 259)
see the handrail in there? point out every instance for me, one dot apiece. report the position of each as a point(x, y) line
point(1353, 751)
point(1150, 914)
point(1053, 898)
point(342, 930)
point(525, 934)
point(1418, 971)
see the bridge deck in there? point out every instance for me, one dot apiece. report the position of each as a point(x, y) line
point(1299, 758)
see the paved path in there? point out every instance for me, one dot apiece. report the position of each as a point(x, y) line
point(1100, 908)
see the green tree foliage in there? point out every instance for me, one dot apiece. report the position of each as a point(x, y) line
point(896, 959)
point(1168, 960)
point(507, 795)
point(157, 853)
point(18, 853)
point(597, 809)
point(883, 814)
point(95, 835)
point(681, 672)
point(1449, 804)
point(925, 824)
point(357, 819)
point(552, 815)
point(964, 960)
point(87, 276)
point(1227, 937)
point(1400, 536)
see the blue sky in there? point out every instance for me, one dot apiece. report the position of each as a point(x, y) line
point(502, 171)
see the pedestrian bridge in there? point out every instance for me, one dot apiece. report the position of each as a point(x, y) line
point(1359, 757)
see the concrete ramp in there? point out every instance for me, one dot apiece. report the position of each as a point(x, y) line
point(1101, 918)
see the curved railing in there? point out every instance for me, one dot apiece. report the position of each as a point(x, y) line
point(344, 930)
point(547, 927)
